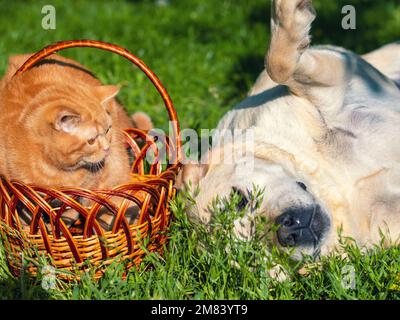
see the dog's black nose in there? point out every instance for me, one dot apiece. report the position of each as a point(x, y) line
point(302, 226)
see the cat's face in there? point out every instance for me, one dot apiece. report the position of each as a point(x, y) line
point(76, 127)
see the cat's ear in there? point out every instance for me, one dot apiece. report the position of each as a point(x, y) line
point(14, 63)
point(106, 93)
point(18, 60)
point(66, 121)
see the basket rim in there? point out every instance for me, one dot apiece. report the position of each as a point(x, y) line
point(123, 52)
point(157, 186)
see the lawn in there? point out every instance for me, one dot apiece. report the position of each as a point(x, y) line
point(207, 53)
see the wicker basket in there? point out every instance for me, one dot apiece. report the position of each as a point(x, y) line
point(91, 247)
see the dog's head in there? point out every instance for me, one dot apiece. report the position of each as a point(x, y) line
point(303, 222)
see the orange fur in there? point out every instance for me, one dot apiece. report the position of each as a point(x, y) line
point(50, 115)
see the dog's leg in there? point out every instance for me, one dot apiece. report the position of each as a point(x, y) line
point(319, 75)
point(263, 83)
point(386, 60)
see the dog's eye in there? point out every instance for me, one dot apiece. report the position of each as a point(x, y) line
point(243, 201)
point(302, 185)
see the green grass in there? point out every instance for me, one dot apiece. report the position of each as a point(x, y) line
point(208, 53)
point(214, 264)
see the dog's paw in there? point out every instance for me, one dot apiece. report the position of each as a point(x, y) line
point(290, 26)
point(278, 273)
point(295, 18)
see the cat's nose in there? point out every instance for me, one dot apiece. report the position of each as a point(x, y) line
point(106, 149)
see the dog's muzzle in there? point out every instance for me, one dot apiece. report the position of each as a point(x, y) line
point(302, 227)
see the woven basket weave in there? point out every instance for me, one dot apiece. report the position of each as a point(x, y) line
point(90, 246)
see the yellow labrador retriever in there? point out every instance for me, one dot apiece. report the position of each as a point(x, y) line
point(326, 128)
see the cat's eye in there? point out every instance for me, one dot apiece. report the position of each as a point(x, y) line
point(91, 141)
point(108, 130)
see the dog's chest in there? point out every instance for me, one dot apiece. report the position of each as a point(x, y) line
point(278, 122)
point(287, 124)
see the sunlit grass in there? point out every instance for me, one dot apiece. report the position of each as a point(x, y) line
point(211, 263)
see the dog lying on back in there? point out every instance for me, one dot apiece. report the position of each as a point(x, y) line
point(325, 123)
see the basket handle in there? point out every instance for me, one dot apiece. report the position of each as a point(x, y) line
point(49, 50)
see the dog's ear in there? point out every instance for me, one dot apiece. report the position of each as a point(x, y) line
point(190, 175)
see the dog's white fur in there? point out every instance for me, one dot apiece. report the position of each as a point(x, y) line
point(323, 116)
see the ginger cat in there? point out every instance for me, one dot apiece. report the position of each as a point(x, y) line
point(60, 127)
